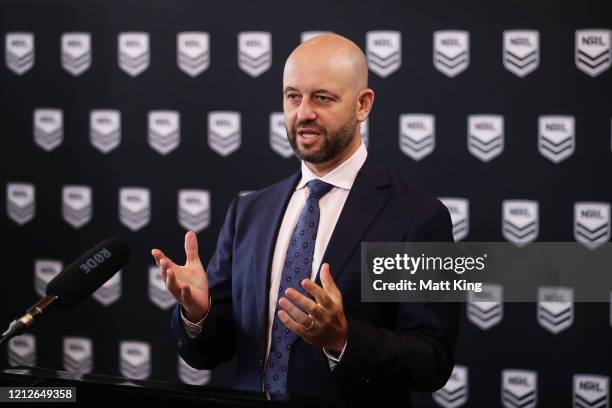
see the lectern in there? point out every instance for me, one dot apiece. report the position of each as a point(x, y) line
point(96, 389)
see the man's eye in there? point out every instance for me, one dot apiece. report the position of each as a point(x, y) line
point(323, 98)
point(292, 97)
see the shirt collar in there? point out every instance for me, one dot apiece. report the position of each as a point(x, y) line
point(342, 176)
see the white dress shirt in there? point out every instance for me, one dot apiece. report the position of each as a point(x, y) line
point(331, 204)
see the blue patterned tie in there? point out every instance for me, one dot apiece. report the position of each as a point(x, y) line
point(298, 266)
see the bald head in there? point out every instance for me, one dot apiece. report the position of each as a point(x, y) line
point(330, 57)
point(325, 97)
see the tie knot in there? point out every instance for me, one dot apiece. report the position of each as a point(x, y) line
point(318, 188)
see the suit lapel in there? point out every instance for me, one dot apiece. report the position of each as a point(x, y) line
point(365, 200)
point(274, 205)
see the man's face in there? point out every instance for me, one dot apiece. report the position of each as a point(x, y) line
point(320, 111)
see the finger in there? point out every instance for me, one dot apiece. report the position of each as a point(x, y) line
point(172, 284)
point(291, 324)
point(315, 290)
point(294, 312)
point(191, 247)
point(308, 305)
point(157, 255)
point(164, 265)
point(329, 285)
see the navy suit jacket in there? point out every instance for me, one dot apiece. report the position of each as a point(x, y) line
point(392, 348)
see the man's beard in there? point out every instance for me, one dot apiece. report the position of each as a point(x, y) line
point(333, 144)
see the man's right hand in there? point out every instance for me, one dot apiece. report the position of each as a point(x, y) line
point(187, 283)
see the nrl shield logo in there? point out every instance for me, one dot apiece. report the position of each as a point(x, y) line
point(194, 209)
point(78, 354)
point(134, 207)
point(19, 52)
point(192, 376)
point(48, 128)
point(455, 392)
point(278, 135)
point(77, 206)
point(133, 54)
point(592, 223)
point(593, 51)
point(521, 51)
point(309, 35)
point(44, 271)
point(459, 209)
point(254, 52)
point(591, 391)
point(417, 135)
point(519, 389)
point(486, 136)
point(451, 52)
point(520, 221)
point(20, 202)
point(224, 132)
point(105, 129)
point(164, 131)
point(384, 52)
point(76, 52)
point(158, 293)
point(555, 308)
point(22, 351)
point(110, 292)
point(485, 309)
point(193, 52)
point(556, 137)
point(135, 359)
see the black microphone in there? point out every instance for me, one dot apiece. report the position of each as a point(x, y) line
point(76, 282)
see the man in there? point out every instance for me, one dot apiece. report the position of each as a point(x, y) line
point(282, 291)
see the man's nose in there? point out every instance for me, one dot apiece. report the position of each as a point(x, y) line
point(306, 110)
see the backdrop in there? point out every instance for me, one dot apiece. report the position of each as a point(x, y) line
point(144, 119)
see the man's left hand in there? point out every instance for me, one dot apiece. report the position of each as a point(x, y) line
point(321, 323)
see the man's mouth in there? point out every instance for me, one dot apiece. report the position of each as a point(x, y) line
point(308, 135)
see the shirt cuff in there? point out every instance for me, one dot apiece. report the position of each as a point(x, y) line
point(193, 329)
point(333, 360)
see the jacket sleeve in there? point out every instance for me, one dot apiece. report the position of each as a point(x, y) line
point(215, 343)
point(418, 354)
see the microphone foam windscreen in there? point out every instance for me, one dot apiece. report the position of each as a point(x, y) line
point(82, 277)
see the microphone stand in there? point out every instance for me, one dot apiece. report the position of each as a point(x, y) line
point(18, 326)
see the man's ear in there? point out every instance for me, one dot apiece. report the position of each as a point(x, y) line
point(365, 100)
